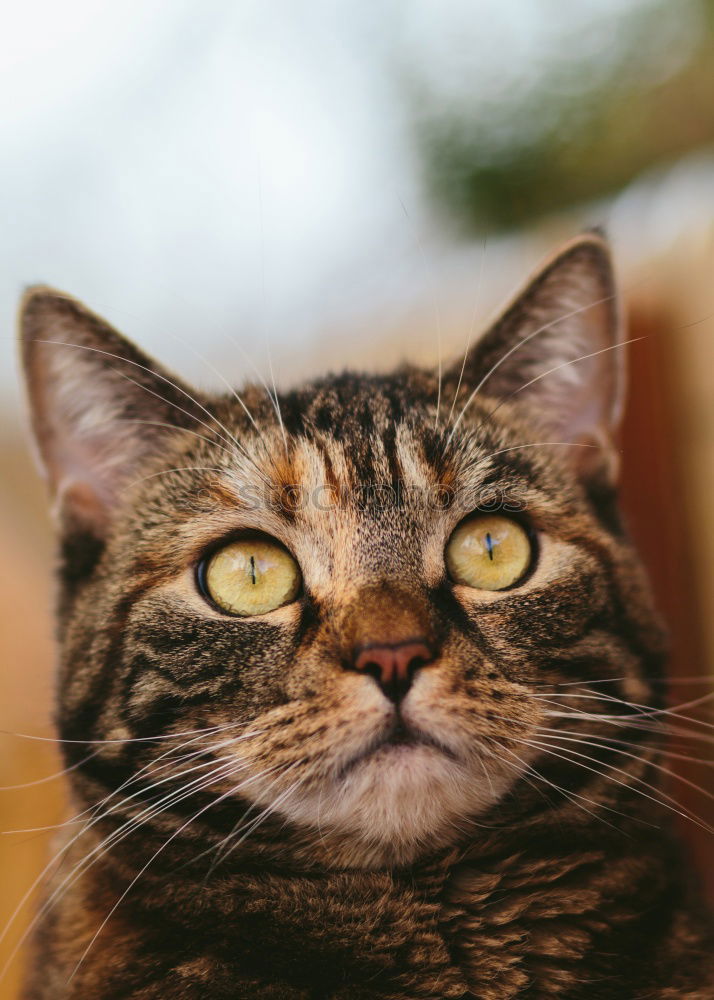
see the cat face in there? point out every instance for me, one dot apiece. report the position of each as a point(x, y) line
point(344, 607)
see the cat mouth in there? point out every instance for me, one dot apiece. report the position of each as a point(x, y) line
point(401, 738)
point(401, 735)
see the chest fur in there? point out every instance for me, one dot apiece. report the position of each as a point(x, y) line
point(515, 927)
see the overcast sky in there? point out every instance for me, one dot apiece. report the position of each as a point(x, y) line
point(202, 172)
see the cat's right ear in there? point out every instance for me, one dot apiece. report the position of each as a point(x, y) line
point(96, 402)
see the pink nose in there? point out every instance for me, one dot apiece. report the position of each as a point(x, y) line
point(393, 665)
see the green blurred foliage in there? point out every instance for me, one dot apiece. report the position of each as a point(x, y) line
point(580, 125)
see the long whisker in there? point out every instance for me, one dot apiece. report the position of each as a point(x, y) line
point(231, 791)
point(168, 472)
point(535, 444)
point(643, 711)
point(472, 329)
point(225, 847)
point(93, 811)
point(274, 397)
point(565, 364)
point(657, 727)
point(437, 314)
point(115, 837)
point(225, 434)
point(673, 681)
point(128, 739)
point(585, 695)
point(57, 858)
point(147, 769)
point(232, 391)
point(524, 774)
point(49, 777)
point(152, 769)
point(605, 696)
point(665, 800)
point(571, 796)
point(175, 427)
point(237, 447)
point(153, 809)
point(626, 753)
point(274, 400)
point(263, 816)
point(230, 439)
point(612, 741)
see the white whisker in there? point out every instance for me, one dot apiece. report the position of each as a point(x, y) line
point(470, 336)
point(192, 819)
point(517, 347)
point(665, 800)
point(565, 364)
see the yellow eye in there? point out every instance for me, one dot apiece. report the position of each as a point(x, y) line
point(250, 577)
point(488, 552)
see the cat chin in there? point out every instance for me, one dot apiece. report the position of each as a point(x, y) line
point(400, 802)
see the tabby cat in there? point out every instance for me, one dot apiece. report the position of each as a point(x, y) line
point(353, 676)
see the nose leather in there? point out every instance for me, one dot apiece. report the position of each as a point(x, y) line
point(393, 665)
point(387, 632)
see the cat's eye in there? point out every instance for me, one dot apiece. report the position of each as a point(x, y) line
point(489, 552)
point(250, 576)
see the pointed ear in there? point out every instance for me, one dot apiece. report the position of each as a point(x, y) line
point(555, 347)
point(90, 393)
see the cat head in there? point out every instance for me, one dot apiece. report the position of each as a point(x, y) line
point(351, 606)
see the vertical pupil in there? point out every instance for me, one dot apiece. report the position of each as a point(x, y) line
point(489, 545)
point(252, 568)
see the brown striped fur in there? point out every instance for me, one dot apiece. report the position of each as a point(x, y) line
point(284, 831)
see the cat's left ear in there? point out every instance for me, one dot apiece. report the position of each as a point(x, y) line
point(99, 407)
point(556, 351)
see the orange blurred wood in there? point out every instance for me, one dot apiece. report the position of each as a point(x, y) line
point(654, 498)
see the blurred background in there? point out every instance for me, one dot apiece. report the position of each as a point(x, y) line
point(325, 183)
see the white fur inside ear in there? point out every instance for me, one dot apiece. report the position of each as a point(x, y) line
point(87, 447)
point(557, 348)
point(96, 402)
point(576, 384)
